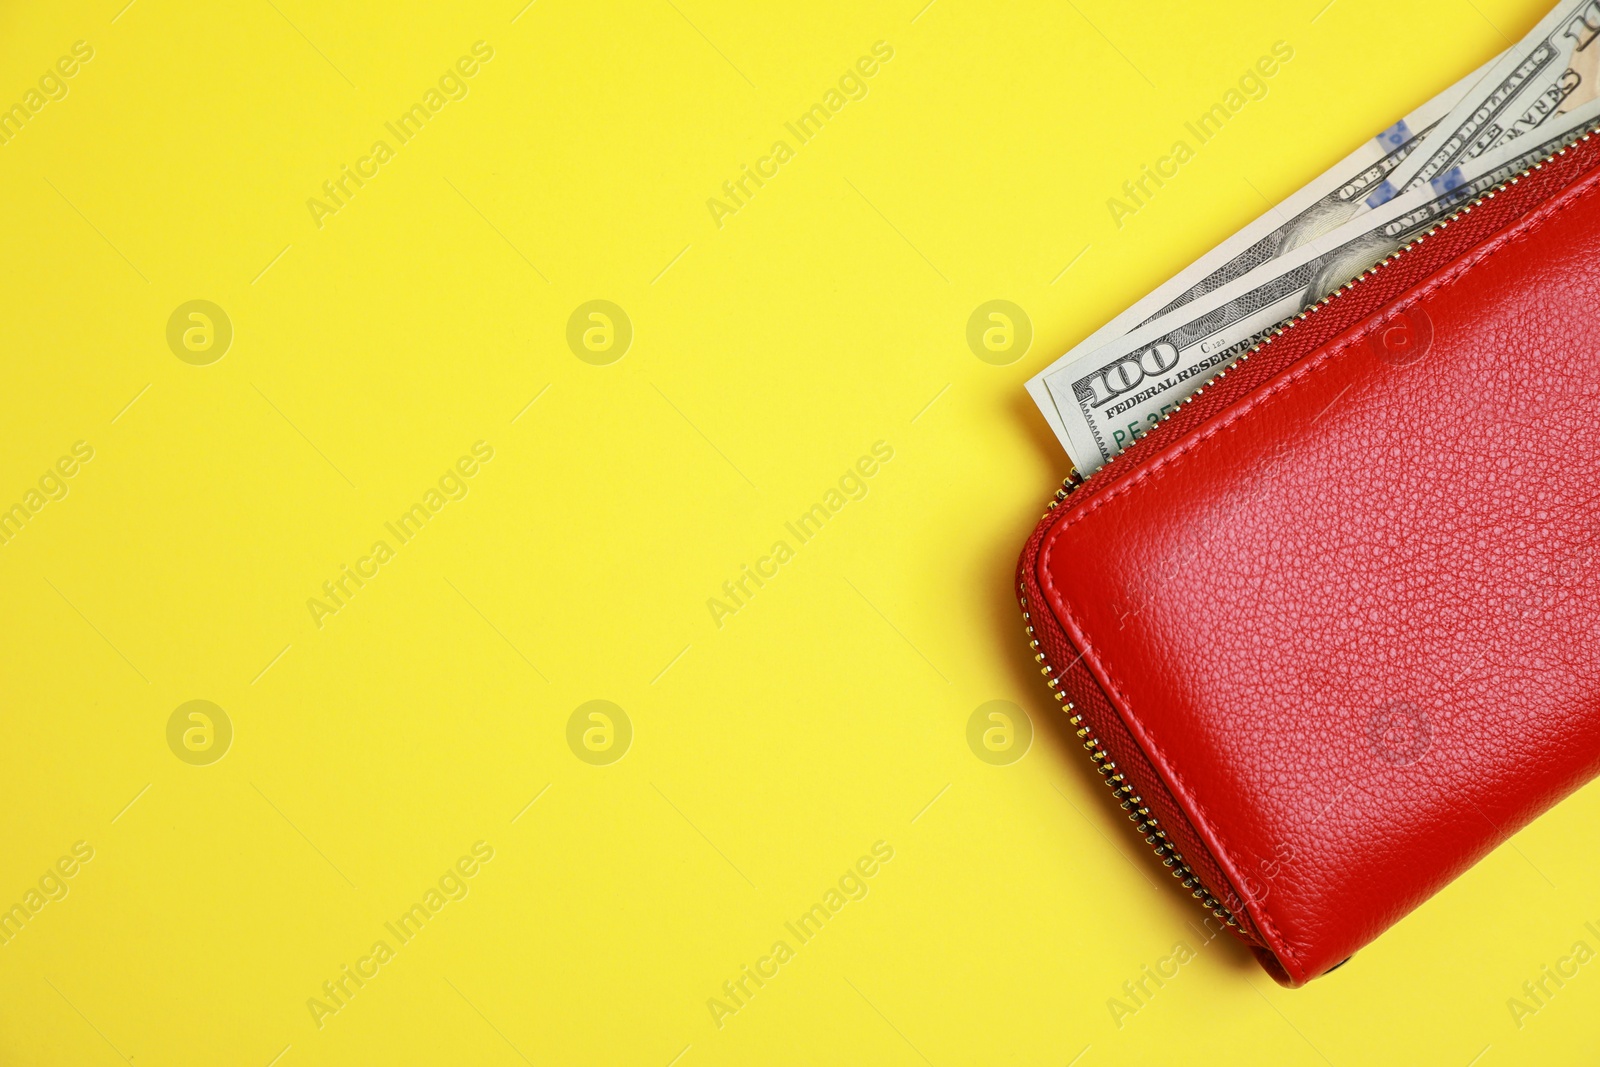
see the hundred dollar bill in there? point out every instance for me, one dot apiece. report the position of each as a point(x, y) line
point(1353, 186)
point(1108, 398)
point(1554, 70)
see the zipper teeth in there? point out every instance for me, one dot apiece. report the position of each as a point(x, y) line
point(1122, 790)
point(1148, 825)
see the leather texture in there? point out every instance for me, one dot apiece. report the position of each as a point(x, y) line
point(1339, 619)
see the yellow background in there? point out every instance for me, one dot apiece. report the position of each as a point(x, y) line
point(768, 354)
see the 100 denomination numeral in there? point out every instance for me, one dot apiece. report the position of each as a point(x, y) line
point(1123, 375)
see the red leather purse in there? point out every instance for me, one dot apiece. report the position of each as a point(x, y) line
point(1331, 632)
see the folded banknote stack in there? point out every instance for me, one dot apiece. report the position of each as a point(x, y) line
point(1539, 95)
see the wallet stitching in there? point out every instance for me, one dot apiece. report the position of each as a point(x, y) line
point(1526, 228)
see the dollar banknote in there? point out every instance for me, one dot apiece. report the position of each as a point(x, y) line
point(1350, 188)
point(1553, 71)
point(1110, 397)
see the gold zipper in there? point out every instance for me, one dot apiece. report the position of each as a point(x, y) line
point(1122, 790)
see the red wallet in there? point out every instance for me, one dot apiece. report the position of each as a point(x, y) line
point(1330, 631)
